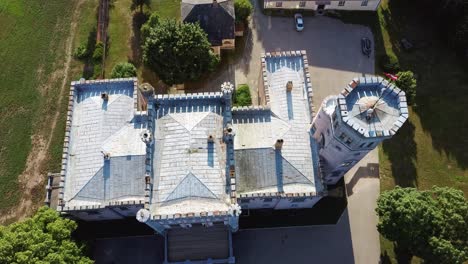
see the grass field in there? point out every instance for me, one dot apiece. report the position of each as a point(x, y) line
point(124, 34)
point(31, 44)
point(430, 149)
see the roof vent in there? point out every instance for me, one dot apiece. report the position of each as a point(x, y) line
point(105, 96)
point(369, 113)
point(146, 136)
point(289, 86)
point(279, 144)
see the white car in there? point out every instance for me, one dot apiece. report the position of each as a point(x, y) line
point(299, 22)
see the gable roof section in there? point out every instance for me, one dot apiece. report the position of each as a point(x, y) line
point(261, 168)
point(216, 19)
point(187, 168)
point(190, 187)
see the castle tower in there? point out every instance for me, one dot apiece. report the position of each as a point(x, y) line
point(348, 126)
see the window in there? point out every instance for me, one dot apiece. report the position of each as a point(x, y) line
point(362, 145)
point(92, 212)
point(123, 208)
point(338, 148)
point(341, 3)
point(298, 200)
point(335, 124)
point(364, 2)
point(370, 144)
point(268, 200)
point(357, 154)
point(279, 4)
point(348, 141)
point(346, 163)
point(293, 205)
point(342, 136)
point(328, 132)
point(322, 141)
point(302, 4)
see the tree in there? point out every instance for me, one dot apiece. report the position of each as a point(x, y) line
point(242, 96)
point(407, 83)
point(242, 9)
point(44, 238)
point(177, 52)
point(139, 4)
point(430, 224)
point(124, 70)
point(98, 53)
point(152, 23)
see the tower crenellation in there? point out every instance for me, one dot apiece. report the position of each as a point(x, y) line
point(349, 125)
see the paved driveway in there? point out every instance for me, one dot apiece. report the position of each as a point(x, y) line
point(333, 50)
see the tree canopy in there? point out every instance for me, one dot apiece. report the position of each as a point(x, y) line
point(430, 224)
point(42, 239)
point(124, 70)
point(139, 4)
point(242, 9)
point(407, 83)
point(177, 52)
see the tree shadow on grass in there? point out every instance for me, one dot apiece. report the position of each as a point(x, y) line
point(401, 151)
point(138, 20)
point(88, 66)
point(442, 80)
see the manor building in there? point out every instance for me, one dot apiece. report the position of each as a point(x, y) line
point(187, 165)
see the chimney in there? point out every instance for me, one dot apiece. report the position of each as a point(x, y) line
point(279, 144)
point(105, 96)
point(289, 86)
point(210, 139)
point(215, 3)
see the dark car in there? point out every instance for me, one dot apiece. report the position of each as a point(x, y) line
point(366, 46)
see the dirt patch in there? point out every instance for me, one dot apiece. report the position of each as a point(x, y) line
point(32, 179)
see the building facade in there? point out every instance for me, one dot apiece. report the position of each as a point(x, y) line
point(363, 5)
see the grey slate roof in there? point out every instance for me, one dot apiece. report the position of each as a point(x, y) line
point(110, 127)
point(261, 168)
point(217, 20)
point(189, 171)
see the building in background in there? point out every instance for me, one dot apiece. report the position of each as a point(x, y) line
point(319, 6)
point(216, 18)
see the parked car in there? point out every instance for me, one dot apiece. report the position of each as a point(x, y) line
point(366, 46)
point(299, 22)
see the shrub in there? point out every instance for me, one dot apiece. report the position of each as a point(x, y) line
point(98, 51)
point(242, 9)
point(124, 70)
point(407, 83)
point(242, 96)
point(390, 63)
point(81, 52)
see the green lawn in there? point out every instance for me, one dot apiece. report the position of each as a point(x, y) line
point(124, 35)
point(31, 40)
point(430, 149)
